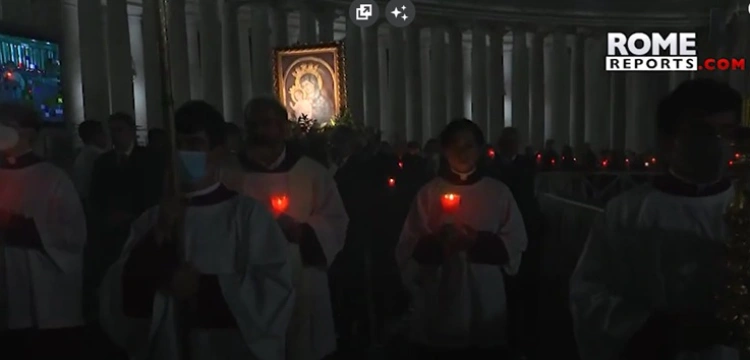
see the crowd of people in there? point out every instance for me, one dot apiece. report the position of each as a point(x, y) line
point(281, 245)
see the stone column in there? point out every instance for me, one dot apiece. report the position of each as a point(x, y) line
point(497, 85)
point(245, 54)
point(617, 113)
point(326, 17)
point(578, 92)
point(479, 105)
point(151, 66)
point(211, 53)
point(139, 67)
point(262, 70)
point(455, 87)
point(414, 103)
point(120, 58)
point(280, 28)
point(520, 86)
point(438, 109)
point(18, 12)
point(178, 53)
point(307, 27)
point(558, 90)
point(537, 90)
point(194, 58)
point(397, 85)
point(596, 106)
point(354, 75)
point(641, 130)
point(231, 70)
point(95, 78)
point(371, 77)
point(71, 68)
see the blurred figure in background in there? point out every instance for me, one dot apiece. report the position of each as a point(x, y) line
point(518, 172)
point(158, 143)
point(94, 141)
point(234, 138)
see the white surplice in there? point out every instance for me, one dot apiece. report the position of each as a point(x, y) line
point(461, 304)
point(43, 287)
point(238, 241)
point(314, 200)
point(650, 250)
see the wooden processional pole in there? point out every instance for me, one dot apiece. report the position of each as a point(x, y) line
point(171, 226)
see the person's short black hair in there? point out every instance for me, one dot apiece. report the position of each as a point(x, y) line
point(695, 100)
point(26, 116)
point(261, 106)
point(125, 118)
point(413, 145)
point(232, 129)
point(89, 129)
point(199, 116)
point(448, 135)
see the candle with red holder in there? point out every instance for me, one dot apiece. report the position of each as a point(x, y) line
point(450, 203)
point(391, 182)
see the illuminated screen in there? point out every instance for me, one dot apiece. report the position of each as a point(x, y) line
point(31, 73)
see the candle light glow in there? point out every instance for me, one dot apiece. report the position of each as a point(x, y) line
point(279, 203)
point(450, 202)
point(391, 182)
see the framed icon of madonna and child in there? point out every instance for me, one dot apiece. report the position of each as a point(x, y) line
point(309, 80)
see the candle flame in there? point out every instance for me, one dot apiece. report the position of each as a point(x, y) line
point(450, 202)
point(391, 182)
point(400, 165)
point(279, 203)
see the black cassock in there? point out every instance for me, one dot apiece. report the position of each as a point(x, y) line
point(519, 174)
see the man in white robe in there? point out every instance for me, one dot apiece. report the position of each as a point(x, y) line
point(311, 215)
point(42, 236)
point(225, 292)
point(644, 286)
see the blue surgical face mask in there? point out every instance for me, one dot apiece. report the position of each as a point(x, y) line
point(193, 167)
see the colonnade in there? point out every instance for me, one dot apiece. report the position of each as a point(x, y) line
point(550, 83)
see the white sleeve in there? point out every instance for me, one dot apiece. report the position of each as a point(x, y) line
point(513, 234)
point(607, 303)
point(262, 299)
point(328, 219)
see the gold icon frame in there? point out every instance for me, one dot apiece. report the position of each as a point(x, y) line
point(329, 56)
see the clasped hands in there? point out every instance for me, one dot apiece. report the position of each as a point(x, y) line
point(456, 238)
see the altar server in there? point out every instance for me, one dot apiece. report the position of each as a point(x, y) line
point(42, 236)
point(303, 195)
point(645, 284)
point(463, 236)
point(233, 284)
